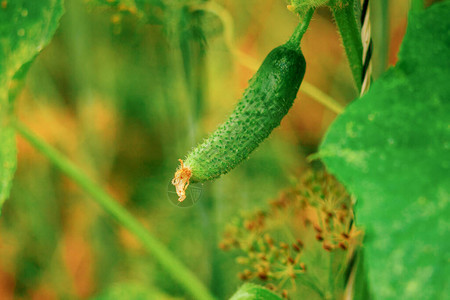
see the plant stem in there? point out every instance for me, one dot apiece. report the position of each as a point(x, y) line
point(168, 261)
point(296, 37)
point(321, 97)
point(351, 37)
point(380, 36)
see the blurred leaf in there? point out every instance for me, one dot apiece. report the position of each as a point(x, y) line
point(25, 28)
point(151, 11)
point(391, 149)
point(8, 160)
point(360, 287)
point(35, 227)
point(107, 253)
point(251, 291)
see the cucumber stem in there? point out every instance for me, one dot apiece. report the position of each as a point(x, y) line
point(296, 37)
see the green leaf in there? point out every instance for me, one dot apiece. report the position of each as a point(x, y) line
point(251, 291)
point(391, 148)
point(25, 28)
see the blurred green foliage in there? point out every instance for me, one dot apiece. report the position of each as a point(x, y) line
point(124, 89)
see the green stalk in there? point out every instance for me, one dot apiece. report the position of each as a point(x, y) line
point(380, 36)
point(351, 37)
point(321, 97)
point(168, 261)
point(300, 30)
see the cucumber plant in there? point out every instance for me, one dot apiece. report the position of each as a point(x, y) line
point(399, 124)
point(268, 98)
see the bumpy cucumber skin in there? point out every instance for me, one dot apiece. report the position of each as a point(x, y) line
point(268, 98)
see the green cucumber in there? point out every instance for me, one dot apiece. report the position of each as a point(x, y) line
point(268, 98)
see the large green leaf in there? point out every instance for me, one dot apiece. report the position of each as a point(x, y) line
point(26, 26)
point(391, 148)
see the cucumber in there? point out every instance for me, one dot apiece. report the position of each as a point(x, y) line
point(268, 98)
